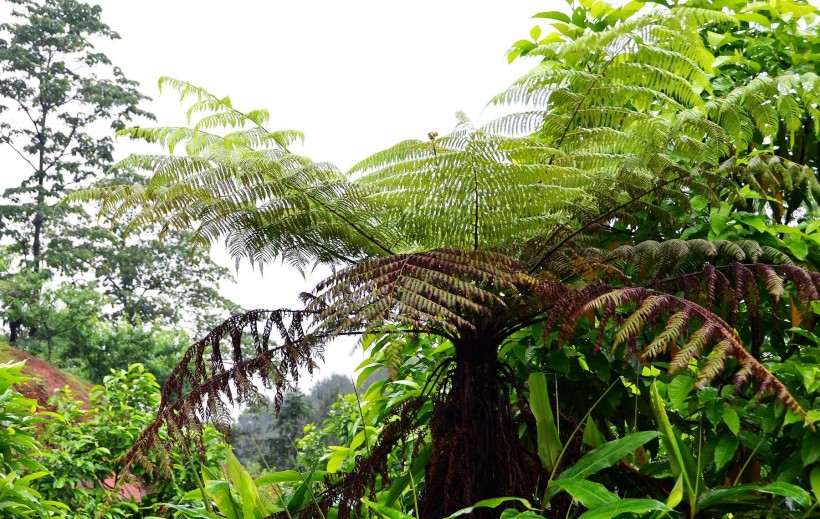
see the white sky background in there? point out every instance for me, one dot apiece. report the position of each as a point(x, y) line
point(355, 76)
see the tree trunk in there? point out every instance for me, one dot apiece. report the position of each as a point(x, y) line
point(476, 449)
point(14, 330)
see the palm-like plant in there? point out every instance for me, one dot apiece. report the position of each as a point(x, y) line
point(477, 234)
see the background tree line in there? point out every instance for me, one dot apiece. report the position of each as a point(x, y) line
point(82, 296)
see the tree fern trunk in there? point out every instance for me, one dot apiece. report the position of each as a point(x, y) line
point(476, 450)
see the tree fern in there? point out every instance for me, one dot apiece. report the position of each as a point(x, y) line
point(479, 233)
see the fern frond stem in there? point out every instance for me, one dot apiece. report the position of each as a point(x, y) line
point(528, 320)
point(281, 499)
point(475, 204)
point(352, 225)
point(604, 216)
point(569, 441)
point(361, 415)
point(438, 369)
point(696, 274)
point(415, 497)
point(339, 255)
point(310, 489)
point(578, 108)
point(206, 500)
point(259, 451)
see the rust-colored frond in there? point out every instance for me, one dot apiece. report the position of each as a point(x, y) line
point(211, 375)
point(740, 285)
point(639, 327)
point(440, 291)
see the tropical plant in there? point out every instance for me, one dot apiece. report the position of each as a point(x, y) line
point(18, 469)
point(525, 245)
point(85, 444)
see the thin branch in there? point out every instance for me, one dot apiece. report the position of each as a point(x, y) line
point(600, 218)
point(18, 152)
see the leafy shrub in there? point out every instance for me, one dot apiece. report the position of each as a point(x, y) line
point(18, 446)
point(87, 442)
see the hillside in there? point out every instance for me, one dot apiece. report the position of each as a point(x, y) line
point(45, 378)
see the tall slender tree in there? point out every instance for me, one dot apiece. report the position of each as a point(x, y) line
point(53, 80)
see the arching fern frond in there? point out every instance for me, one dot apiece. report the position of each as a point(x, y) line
point(674, 337)
point(490, 190)
point(444, 291)
point(247, 188)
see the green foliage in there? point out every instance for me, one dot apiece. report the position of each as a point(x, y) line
point(278, 202)
point(55, 91)
point(19, 471)
point(42, 46)
point(87, 441)
point(639, 225)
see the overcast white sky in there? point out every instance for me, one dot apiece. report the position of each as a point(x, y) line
point(355, 76)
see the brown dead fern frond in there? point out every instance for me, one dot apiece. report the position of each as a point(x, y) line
point(213, 375)
point(442, 291)
point(725, 289)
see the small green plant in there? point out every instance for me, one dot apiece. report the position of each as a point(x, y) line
point(19, 448)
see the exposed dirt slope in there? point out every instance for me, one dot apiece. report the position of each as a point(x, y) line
point(45, 378)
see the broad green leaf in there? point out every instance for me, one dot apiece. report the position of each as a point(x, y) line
point(798, 247)
point(625, 506)
point(722, 496)
point(386, 511)
point(588, 493)
point(554, 15)
point(680, 459)
point(732, 420)
point(754, 17)
point(489, 503)
point(719, 218)
point(814, 478)
point(725, 451)
point(676, 495)
point(592, 436)
point(288, 476)
point(679, 389)
point(512, 513)
point(244, 485)
point(549, 445)
point(607, 455)
point(810, 450)
point(192, 512)
point(398, 485)
point(789, 491)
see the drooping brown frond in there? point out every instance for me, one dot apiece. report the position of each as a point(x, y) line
point(441, 291)
point(211, 376)
point(712, 331)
